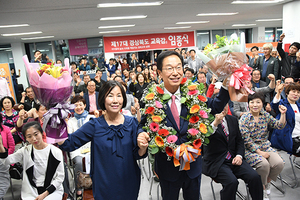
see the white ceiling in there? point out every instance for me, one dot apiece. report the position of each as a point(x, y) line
point(69, 19)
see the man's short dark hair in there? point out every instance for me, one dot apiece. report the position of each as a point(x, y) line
point(86, 75)
point(164, 54)
point(192, 50)
point(256, 70)
point(254, 47)
point(73, 63)
point(190, 70)
point(98, 70)
point(36, 52)
point(202, 73)
point(296, 44)
point(111, 59)
point(27, 88)
point(105, 90)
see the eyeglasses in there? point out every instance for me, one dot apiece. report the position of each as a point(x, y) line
point(171, 69)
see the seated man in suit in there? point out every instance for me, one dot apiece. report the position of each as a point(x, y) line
point(91, 97)
point(223, 159)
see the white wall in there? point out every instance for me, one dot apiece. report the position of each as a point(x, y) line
point(291, 18)
point(18, 51)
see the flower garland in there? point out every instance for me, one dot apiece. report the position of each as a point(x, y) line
point(163, 138)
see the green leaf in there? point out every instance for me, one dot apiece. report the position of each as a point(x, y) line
point(154, 150)
point(208, 134)
point(206, 141)
point(166, 97)
point(210, 129)
point(182, 100)
point(211, 117)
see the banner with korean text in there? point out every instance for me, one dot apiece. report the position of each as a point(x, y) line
point(78, 46)
point(149, 42)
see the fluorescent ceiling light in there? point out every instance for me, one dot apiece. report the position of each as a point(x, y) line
point(256, 2)
point(267, 20)
point(205, 33)
point(103, 32)
point(36, 38)
point(216, 14)
point(279, 29)
point(123, 17)
point(4, 49)
point(178, 27)
point(194, 22)
point(16, 34)
point(243, 24)
point(268, 31)
point(13, 26)
point(109, 5)
point(116, 26)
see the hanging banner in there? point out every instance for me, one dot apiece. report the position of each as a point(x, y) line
point(5, 73)
point(148, 42)
point(78, 46)
point(260, 47)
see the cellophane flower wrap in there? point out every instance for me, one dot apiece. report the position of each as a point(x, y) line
point(227, 58)
point(164, 138)
point(51, 85)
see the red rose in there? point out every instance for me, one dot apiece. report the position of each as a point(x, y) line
point(150, 110)
point(194, 119)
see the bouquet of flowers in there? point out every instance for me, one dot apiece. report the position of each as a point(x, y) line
point(51, 85)
point(228, 58)
point(164, 138)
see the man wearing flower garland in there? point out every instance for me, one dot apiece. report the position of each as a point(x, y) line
point(170, 68)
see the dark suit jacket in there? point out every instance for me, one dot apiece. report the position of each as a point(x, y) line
point(87, 101)
point(215, 152)
point(272, 68)
point(261, 85)
point(165, 169)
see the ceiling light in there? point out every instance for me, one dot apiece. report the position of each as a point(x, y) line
point(256, 2)
point(1, 49)
point(12, 26)
point(268, 31)
point(16, 34)
point(116, 26)
point(123, 17)
point(216, 14)
point(267, 20)
point(243, 24)
point(103, 32)
point(109, 5)
point(205, 33)
point(279, 29)
point(178, 27)
point(195, 22)
point(36, 38)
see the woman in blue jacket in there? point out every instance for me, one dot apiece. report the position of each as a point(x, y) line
point(288, 138)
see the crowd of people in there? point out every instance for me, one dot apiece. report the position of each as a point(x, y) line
point(107, 125)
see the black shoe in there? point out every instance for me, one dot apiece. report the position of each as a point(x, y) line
point(79, 196)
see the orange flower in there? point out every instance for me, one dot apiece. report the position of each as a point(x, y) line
point(150, 96)
point(192, 87)
point(159, 141)
point(159, 90)
point(195, 108)
point(201, 98)
point(156, 118)
point(203, 128)
point(163, 132)
point(150, 110)
point(197, 143)
point(194, 119)
point(183, 81)
point(169, 151)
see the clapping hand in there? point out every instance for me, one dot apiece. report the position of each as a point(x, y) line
point(282, 109)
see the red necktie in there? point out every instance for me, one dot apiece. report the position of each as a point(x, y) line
point(228, 155)
point(175, 111)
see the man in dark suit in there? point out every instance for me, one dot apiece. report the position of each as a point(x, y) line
point(223, 159)
point(133, 62)
point(267, 64)
point(170, 68)
point(91, 98)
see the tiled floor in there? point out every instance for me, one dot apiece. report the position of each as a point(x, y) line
point(206, 193)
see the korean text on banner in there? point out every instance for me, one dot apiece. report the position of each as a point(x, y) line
point(78, 47)
point(148, 42)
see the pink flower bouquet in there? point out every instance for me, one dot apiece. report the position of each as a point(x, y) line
point(228, 58)
point(51, 85)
